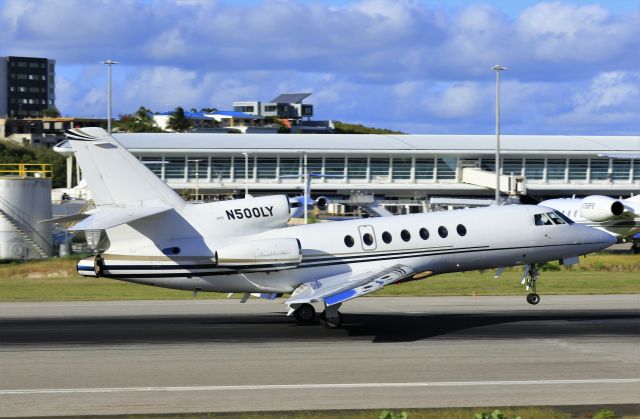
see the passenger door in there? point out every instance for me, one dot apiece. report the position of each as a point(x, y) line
point(367, 237)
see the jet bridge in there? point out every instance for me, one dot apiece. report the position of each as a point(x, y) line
point(509, 184)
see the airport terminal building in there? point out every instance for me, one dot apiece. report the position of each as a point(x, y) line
point(402, 167)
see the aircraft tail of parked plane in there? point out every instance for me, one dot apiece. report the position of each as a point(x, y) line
point(245, 245)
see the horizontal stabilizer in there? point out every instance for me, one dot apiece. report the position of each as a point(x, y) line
point(106, 217)
point(339, 288)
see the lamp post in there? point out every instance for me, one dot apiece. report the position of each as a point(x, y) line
point(307, 186)
point(109, 63)
point(246, 175)
point(498, 68)
point(197, 162)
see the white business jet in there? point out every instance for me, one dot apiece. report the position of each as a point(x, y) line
point(244, 246)
point(619, 217)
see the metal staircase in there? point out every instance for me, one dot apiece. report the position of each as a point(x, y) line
point(25, 235)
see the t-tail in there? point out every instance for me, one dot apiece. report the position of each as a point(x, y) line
point(114, 176)
point(122, 187)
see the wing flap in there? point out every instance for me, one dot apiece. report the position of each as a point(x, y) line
point(104, 217)
point(340, 288)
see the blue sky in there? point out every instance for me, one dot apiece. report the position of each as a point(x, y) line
point(415, 66)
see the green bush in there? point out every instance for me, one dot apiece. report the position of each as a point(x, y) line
point(605, 414)
point(496, 414)
point(391, 415)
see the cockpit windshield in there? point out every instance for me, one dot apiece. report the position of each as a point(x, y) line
point(551, 218)
point(564, 217)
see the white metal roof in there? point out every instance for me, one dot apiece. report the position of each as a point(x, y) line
point(345, 143)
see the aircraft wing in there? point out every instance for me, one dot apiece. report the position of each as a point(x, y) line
point(65, 218)
point(107, 217)
point(339, 288)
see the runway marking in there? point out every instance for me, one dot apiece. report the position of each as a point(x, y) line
point(316, 386)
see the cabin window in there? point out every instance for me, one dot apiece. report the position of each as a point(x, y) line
point(386, 237)
point(367, 239)
point(406, 236)
point(443, 232)
point(348, 241)
point(462, 230)
point(424, 233)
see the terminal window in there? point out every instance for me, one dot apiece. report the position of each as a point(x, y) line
point(357, 168)
point(578, 169)
point(425, 168)
point(556, 169)
point(401, 168)
point(379, 168)
point(599, 169)
point(221, 168)
point(289, 166)
point(447, 168)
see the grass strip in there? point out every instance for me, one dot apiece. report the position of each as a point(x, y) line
point(56, 280)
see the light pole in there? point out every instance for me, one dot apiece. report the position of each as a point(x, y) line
point(498, 68)
point(197, 162)
point(109, 63)
point(307, 186)
point(246, 175)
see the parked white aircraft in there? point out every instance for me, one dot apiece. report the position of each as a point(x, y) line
point(620, 217)
point(244, 245)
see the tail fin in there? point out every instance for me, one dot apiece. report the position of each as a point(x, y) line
point(115, 176)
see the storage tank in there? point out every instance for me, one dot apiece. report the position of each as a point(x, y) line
point(23, 202)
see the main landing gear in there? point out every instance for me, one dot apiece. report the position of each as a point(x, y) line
point(329, 318)
point(531, 274)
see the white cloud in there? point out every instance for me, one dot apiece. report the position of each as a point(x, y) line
point(611, 99)
point(401, 62)
point(460, 100)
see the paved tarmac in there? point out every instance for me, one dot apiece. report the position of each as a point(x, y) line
point(74, 358)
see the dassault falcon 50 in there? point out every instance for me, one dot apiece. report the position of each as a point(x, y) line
point(245, 245)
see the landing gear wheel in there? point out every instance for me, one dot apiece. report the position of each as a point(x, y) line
point(305, 313)
point(533, 298)
point(331, 322)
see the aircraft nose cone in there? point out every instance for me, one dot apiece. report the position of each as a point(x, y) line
point(600, 239)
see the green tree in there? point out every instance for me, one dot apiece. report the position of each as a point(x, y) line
point(178, 121)
point(141, 121)
point(50, 113)
point(343, 128)
point(13, 154)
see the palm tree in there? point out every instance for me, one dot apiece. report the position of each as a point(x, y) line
point(144, 116)
point(178, 121)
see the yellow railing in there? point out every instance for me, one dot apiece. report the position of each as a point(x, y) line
point(41, 170)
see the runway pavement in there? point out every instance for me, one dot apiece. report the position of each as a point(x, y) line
point(219, 355)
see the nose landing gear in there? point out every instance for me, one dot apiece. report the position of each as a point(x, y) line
point(305, 314)
point(529, 278)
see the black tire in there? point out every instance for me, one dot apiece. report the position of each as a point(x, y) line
point(533, 298)
point(305, 313)
point(331, 323)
